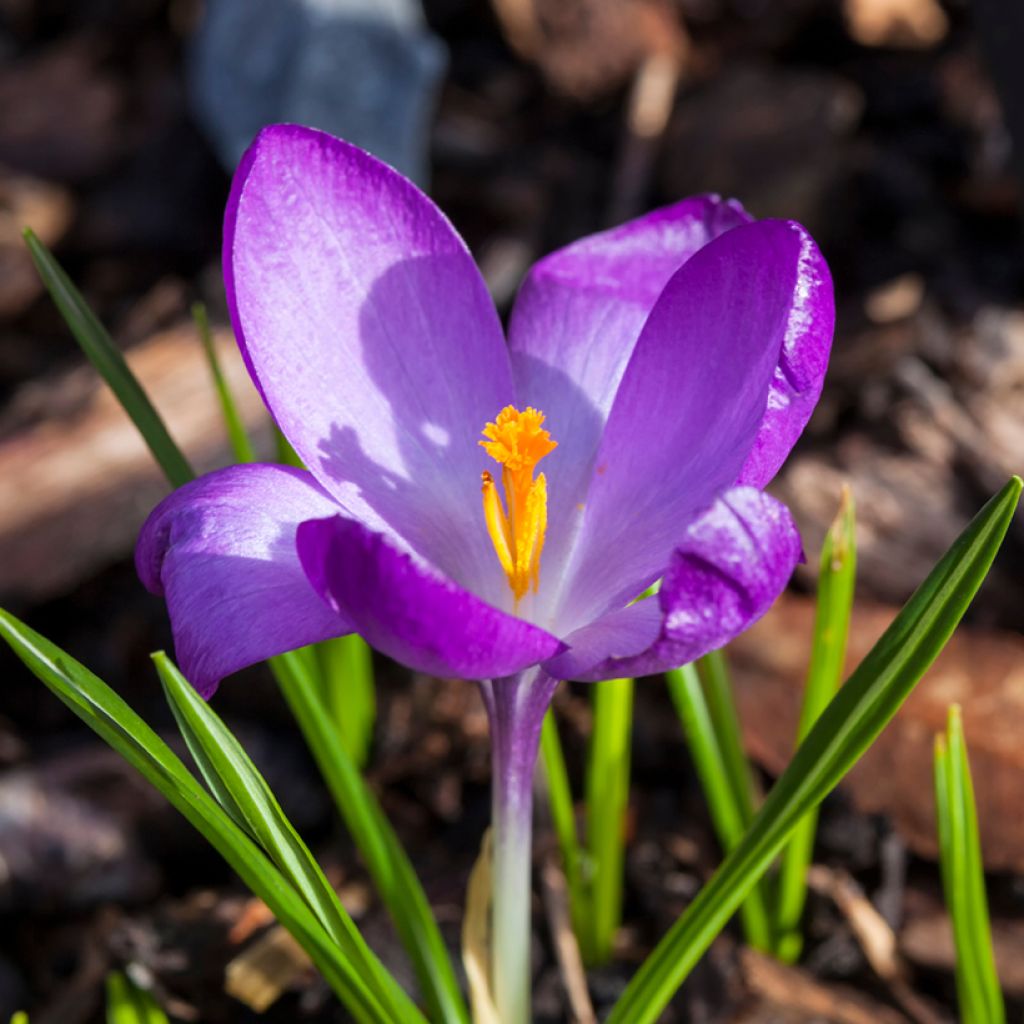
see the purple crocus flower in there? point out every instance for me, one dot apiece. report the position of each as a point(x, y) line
point(661, 370)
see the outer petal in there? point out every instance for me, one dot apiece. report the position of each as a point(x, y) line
point(372, 337)
point(732, 564)
point(222, 551)
point(796, 385)
point(409, 611)
point(576, 320)
point(687, 412)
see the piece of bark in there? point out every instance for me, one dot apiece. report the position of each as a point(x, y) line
point(797, 993)
point(779, 140)
point(40, 205)
point(982, 671)
point(902, 24)
point(927, 941)
point(588, 48)
point(78, 488)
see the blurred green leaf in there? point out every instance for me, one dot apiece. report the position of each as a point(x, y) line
point(108, 715)
point(836, 577)
point(846, 728)
point(727, 815)
point(349, 689)
point(245, 795)
point(129, 1004)
point(607, 796)
point(106, 357)
point(963, 879)
point(563, 818)
point(237, 435)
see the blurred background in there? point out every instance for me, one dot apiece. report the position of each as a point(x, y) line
point(885, 126)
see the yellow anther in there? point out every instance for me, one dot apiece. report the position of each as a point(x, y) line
point(518, 441)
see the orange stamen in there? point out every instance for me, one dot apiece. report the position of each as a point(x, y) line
point(517, 441)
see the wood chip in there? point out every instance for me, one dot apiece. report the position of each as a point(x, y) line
point(904, 24)
point(86, 480)
point(791, 988)
point(260, 975)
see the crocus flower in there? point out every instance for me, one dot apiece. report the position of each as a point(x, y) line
point(654, 378)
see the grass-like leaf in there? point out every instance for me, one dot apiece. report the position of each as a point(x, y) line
point(563, 818)
point(106, 357)
point(245, 795)
point(846, 728)
point(836, 577)
point(607, 796)
point(116, 723)
point(237, 434)
point(346, 675)
point(727, 813)
point(963, 879)
point(129, 1004)
point(389, 867)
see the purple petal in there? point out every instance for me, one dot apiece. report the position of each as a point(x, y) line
point(687, 412)
point(732, 564)
point(576, 320)
point(222, 551)
point(796, 385)
point(371, 335)
point(411, 612)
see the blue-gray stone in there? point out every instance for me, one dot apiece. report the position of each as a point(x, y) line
point(365, 70)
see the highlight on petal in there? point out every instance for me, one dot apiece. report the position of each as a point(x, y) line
point(731, 565)
point(222, 552)
point(688, 410)
point(409, 611)
point(800, 374)
point(577, 318)
point(372, 337)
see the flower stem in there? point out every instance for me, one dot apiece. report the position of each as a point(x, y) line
point(516, 707)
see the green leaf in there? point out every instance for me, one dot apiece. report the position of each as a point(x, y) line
point(106, 357)
point(718, 692)
point(846, 728)
point(836, 577)
point(346, 675)
point(607, 795)
point(963, 878)
point(727, 815)
point(389, 867)
point(245, 795)
point(237, 435)
point(129, 1004)
point(563, 817)
point(115, 722)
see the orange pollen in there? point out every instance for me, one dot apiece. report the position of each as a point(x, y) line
point(518, 441)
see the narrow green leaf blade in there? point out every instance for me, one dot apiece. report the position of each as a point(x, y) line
point(116, 723)
point(836, 578)
point(389, 867)
point(101, 351)
point(346, 673)
point(129, 1004)
point(981, 1000)
point(607, 795)
point(563, 817)
point(237, 434)
point(718, 692)
point(844, 731)
point(727, 816)
point(231, 774)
